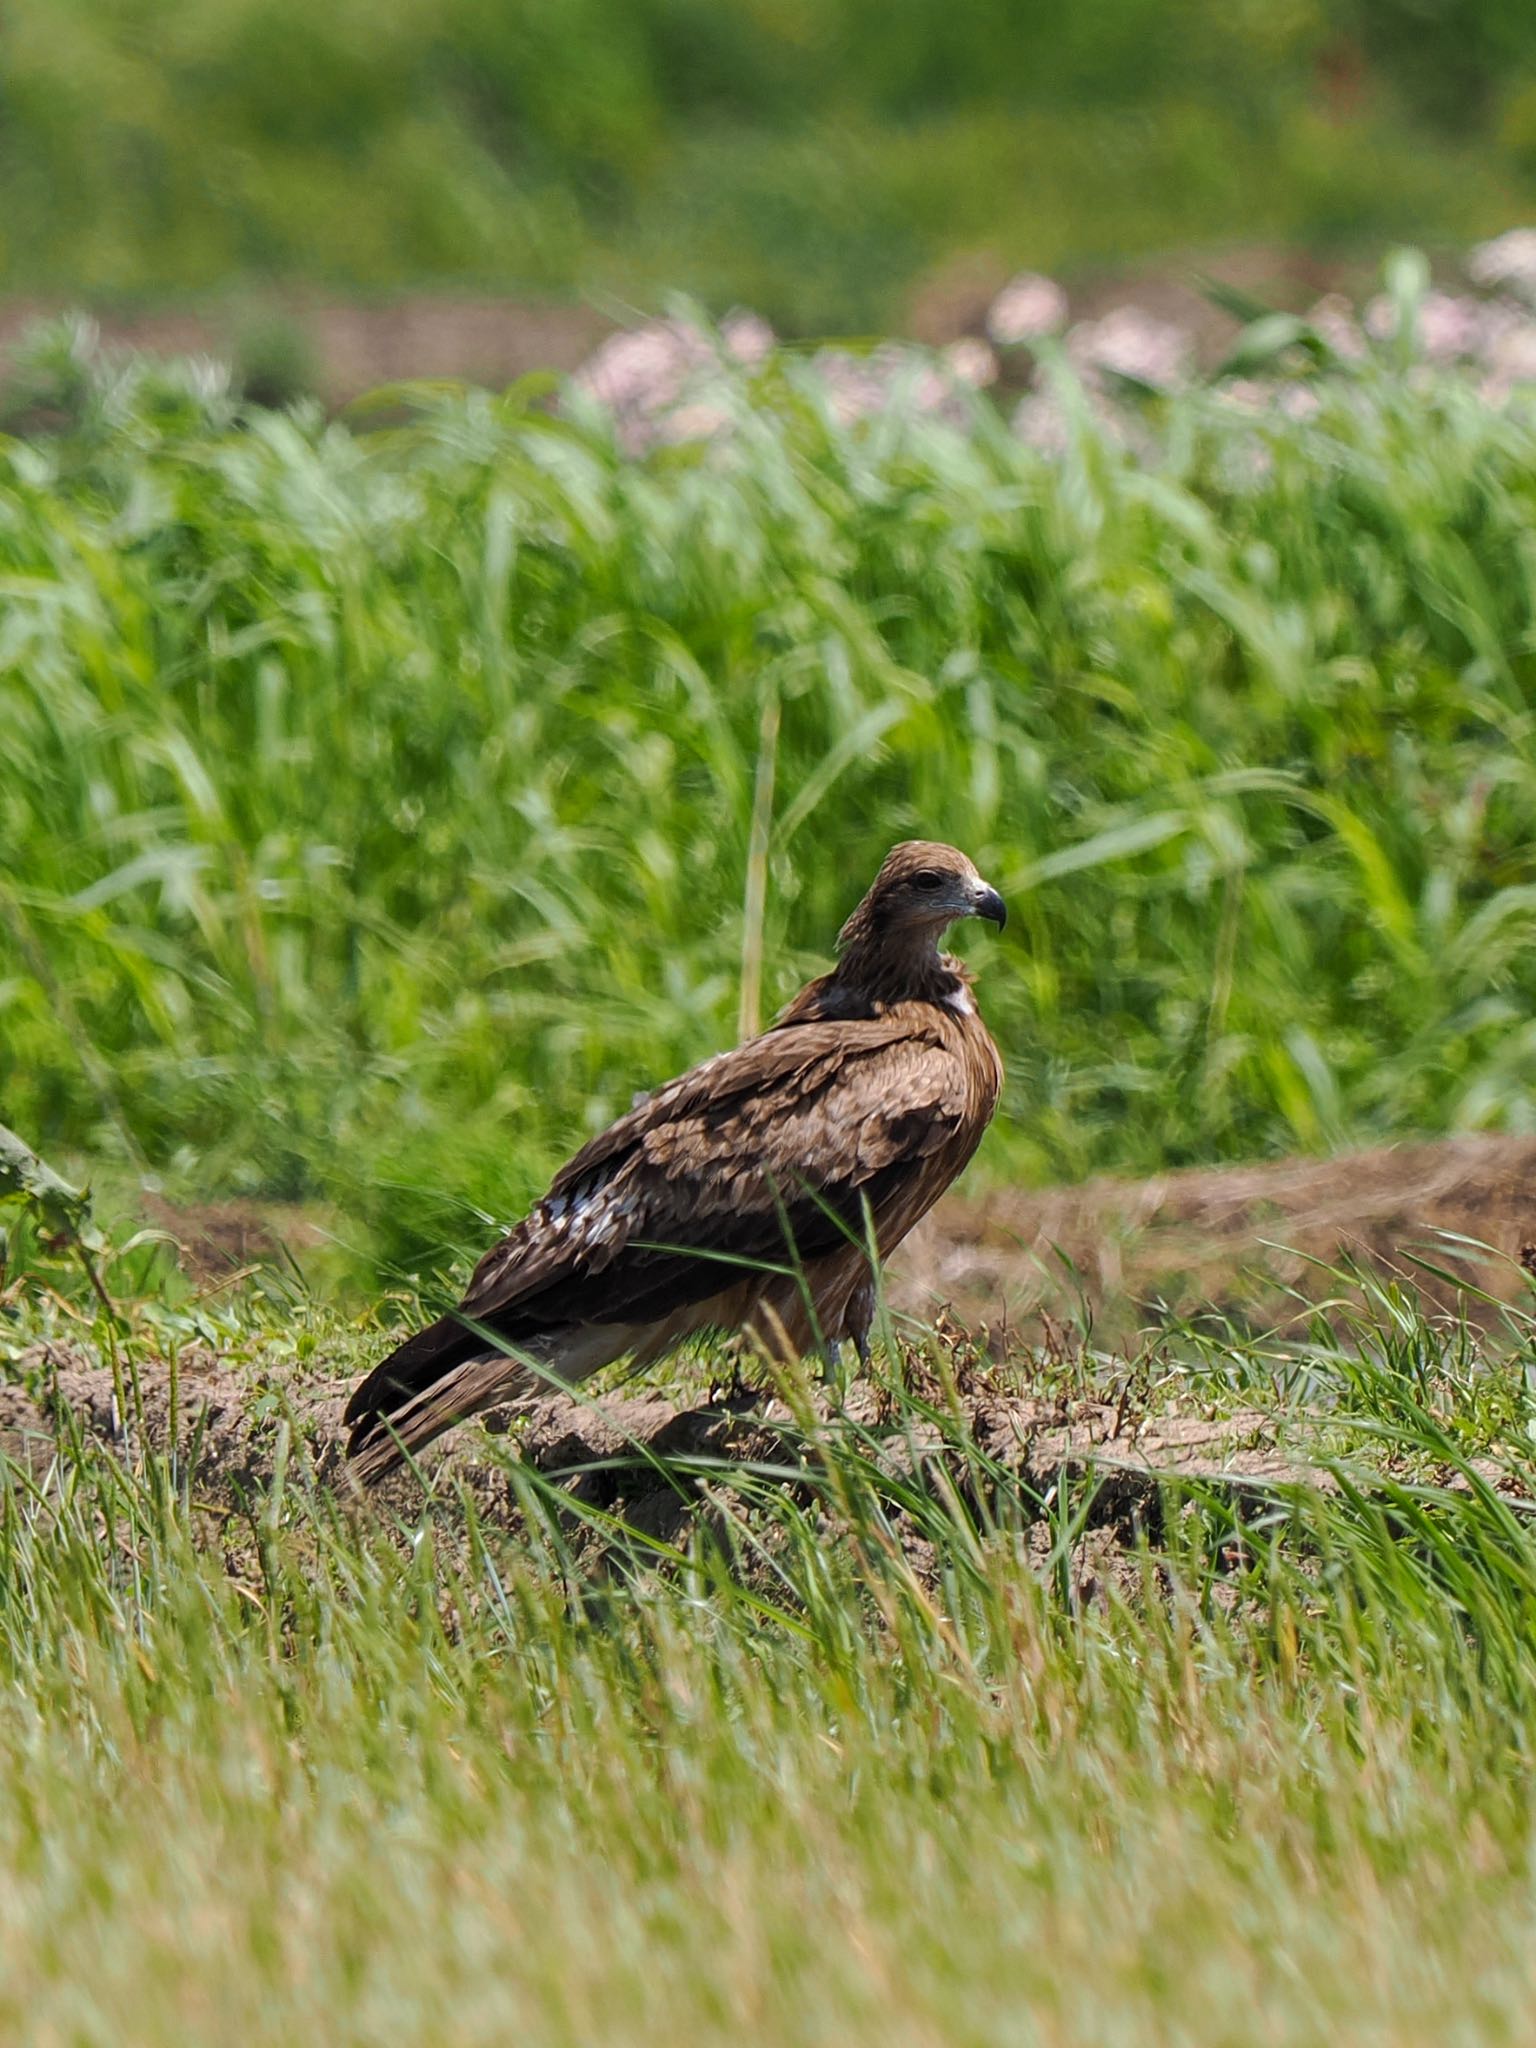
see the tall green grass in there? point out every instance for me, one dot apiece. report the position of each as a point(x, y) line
point(378, 801)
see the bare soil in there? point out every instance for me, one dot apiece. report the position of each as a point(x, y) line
point(1251, 1235)
point(346, 347)
point(664, 1470)
point(1248, 1239)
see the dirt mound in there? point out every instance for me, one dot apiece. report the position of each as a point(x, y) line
point(345, 346)
point(220, 1241)
point(1248, 1237)
point(658, 1469)
point(1253, 1235)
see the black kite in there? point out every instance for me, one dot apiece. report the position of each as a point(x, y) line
point(734, 1198)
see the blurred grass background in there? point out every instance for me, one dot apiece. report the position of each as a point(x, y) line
point(813, 158)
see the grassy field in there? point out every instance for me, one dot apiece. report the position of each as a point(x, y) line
point(382, 805)
point(890, 1745)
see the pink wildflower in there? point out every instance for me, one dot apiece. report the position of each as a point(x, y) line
point(1450, 328)
point(1027, 307)
point(1334, 318)
point(1509, 260)
point(747, 337)
point(1511, 360)
point(659, 380)
point(971, 362)
point(1129, 342)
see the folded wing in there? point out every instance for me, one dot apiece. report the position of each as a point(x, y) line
point(766, 1153)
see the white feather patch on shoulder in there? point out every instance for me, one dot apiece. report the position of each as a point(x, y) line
point(960, 999)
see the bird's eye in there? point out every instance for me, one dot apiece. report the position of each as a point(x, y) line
point(928, 878)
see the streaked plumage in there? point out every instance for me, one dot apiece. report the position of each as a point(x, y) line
point(733, 1198)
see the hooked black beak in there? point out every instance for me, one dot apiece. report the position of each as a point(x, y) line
point(991, 906)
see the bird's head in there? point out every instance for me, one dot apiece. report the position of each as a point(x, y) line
point(921, 889)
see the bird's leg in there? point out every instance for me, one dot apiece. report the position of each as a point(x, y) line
point(744, 1389)
point(830, 1352)
point(861, 1313)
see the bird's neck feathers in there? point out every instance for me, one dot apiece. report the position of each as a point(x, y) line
point(874, 973)
point(891, 969)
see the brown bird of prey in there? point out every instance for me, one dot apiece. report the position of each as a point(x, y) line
point(741, 1196)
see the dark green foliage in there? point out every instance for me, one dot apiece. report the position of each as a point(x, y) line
point(811, 156)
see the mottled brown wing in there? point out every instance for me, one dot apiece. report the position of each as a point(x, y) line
point(776, 1142)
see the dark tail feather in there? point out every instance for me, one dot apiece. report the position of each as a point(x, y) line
point(446, 1373)
point(382, 1441)
point(410, 1368)
point(436, 1378)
